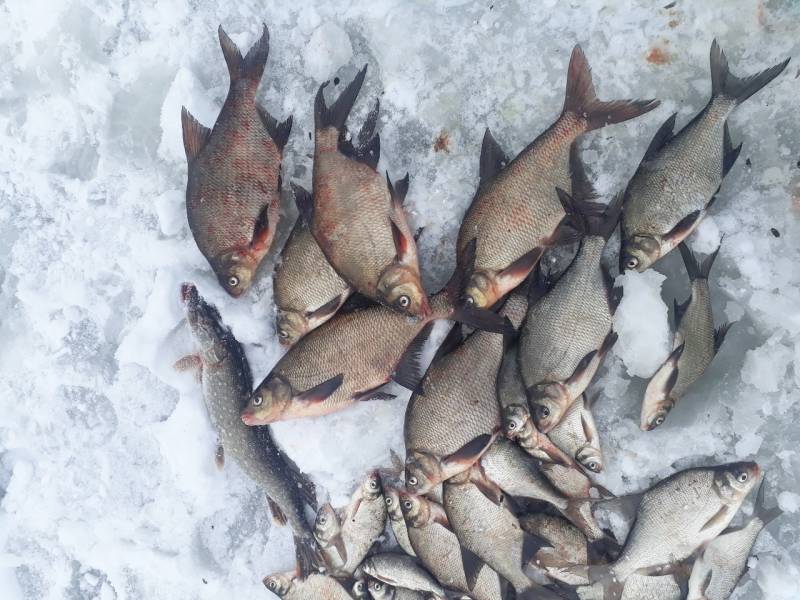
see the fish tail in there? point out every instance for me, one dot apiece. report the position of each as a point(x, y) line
point(582, 102)
point(579, 220)
point(336, 114)
point(251, 66)
point(724, 83)
point(760, 511)
point(696, 268)
point(307, 553)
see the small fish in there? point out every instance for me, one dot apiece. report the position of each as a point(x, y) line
point(681, 173)
point(448, 427)
point(675, 518)
point(316, 586)
point(638, 587)
point(402, 571)
point(516, 214)
point(440, 552)
point(722, 562)
point(226, 381)
point(694, 345)
point(381, 591)
point(576, 435)
point(396, 520)
point(234, 184)
point(568, 544)
point(308, 291)
point(360, 589)
point(356, 216)
point(568, 330)
point(347, 536)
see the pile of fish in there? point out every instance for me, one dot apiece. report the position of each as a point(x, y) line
point(495, 498)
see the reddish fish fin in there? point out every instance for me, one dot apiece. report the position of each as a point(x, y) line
point(486, 486)
point(518, 271)
point(219, 456)
point(277, 514)
point(250, 67)
point(304, 202)
point(398, 191)
point(195, 135)
point(336, 115)
point(473, 565)
point(469, 453)
point(493, 159)
point(321, 392)
point(739, 89)
point(684, 227)
point(719, 335)
point(266, 225)
point(327, 310)
point(582, 102)
point(279, 132)
point(191, 362)
point(403, 244)
point(409, 371)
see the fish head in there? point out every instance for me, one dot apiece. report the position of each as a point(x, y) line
point(590, 458)
point(392, 498)
point(516, 418)
point(479, 291)
point(379, 590)
point(268, 402)
point(359, 589)
point(235, 271)
point(638, 253)
point(415, 509)
point(548, 403)
point(291, 326)
point(326, 524)
point(654, 412)
point(400, 287)
point(204, 319)
point(423, 472)
point(372, 487)
point(279, 584)
point(734, 481)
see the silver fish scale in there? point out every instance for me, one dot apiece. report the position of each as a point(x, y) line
point(510, 389)
point(566, 539)
point(359, 533)
point(569, 322)
point(319, 587)
point(403, 571)
point(490, 531)
point(518, 209)
point(568, 435)
point(669, 521)
point(726, 558)
point(304, 279)
point(697, 330)
point(439, 550)
point(681, 178)
point(638, 587)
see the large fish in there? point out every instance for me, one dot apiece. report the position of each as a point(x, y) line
point(577, 435)
point(396, 520)
point(567, 331)
point(439, 550)
point(351, 358)
point(722, 562)
point(403, 571)
point(694, 345)
point(448, 426)
point(357, 216)
point(226, 380)
point(308, 291)
point(234, 185)
point(675, 518)
point(680, 173)
point(319, 587)
point(516, 213)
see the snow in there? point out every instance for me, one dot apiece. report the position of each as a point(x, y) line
point(108, 487)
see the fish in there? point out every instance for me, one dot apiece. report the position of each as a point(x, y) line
point(722, 562)
point(400, 570)
point(675, 518)
point(515, 213)
point(492, 533)
point(568, 329)
point(440, 551)
point(396, 520)
point(356, 216)
point(639, 587)
point(316, 586)
point(381, 591)
point(346, 537)
point(681, 173)
point(516, 418)
point(233, 192)
point(226, 381)
point(568, 546)
point(694, 345)
point(308, 291)
point(577, 435)
point(351, 359)
point(360, 589)
point(452, 423)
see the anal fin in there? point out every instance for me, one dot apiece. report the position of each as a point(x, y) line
point(473, 564)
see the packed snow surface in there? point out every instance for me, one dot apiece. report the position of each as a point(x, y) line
point(108, 487)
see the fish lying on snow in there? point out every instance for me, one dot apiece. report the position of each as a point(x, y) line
point(516, 213)
point(226, 380)
point(568, 329)
point(400, 570)
point(357, 216)
point(680, 173)
point(234, 185)
point(316, 586)
point(694, 346)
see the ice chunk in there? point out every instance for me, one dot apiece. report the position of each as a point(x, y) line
point(706, 238)
point(789, 502)
point(765, 366)
point(328, 49)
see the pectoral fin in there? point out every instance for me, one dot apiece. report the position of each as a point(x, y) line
point(338, 543)
point(321, 392)
point(467, 455)
point(409, 371)
point(327, 310)
point(518, 271)
point(718, 519)
point(681, 231)
point(192, 363)
point(473, 564)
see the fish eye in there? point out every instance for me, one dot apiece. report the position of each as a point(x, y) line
point(359, 587)
point(407, 504)
point(544, 412)
point(377, 586)
point(271, 584)
point(257, 400)
point(373, 484)
point(388, 500)
point(322, 519)
point(283, 333)
point(742, 477)
point(660, 420)
point(593, 466)
point(412, 480)
point(512, 425)
point(632, 262)
point(403, 301)
point(233, 281)
point(469, 300)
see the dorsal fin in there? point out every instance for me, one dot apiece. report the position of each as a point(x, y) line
point(493, 159)
point(195, 134)
point(662, 136)
point(398, 190)
point(279, 132)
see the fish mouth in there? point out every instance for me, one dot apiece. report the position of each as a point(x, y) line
point(250, 419)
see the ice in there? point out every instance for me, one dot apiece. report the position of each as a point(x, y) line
point(108, 487)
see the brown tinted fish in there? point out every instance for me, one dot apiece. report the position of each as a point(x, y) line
point(234, 185)
point(680, 173)
point(316, 586)
point(516, 213)
point(226, 380)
